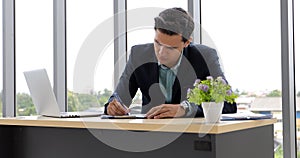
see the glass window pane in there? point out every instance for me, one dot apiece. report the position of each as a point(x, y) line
point(297, 69)
point(34, 46)
point(134, 34)
point(84, 17)
point(247, 37)
point(1, 62)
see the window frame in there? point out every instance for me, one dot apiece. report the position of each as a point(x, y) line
point(9, 86)
point(9, 95)
point(288, 79)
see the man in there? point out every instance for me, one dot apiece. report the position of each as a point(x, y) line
point(165, 70)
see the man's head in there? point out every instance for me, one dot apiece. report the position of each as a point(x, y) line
point(173, 29)
point(175, 21)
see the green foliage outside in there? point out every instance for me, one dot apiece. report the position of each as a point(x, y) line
point(82, 102)
point(274, 93)
point(103, 96)
point(25, 106)
point(279, 153)
point(298, 94)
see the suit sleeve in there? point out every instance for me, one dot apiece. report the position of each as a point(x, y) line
point(127, 85)
point(212, 61)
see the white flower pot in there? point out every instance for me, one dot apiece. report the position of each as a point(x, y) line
point(212, 111)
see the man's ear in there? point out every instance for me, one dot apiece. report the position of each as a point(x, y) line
point(188, 42)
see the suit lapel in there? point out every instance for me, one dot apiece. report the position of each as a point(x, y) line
point(185, 78)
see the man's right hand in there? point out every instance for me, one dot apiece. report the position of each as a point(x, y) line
point(115, 108)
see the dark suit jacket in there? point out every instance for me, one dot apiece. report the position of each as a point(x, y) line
point(142, 71)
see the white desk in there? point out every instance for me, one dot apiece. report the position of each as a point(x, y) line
point(36, 136)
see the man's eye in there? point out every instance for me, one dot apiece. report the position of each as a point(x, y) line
point(157, 42)
point(171, 48)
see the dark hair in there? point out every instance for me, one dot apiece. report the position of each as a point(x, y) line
point(175, 21)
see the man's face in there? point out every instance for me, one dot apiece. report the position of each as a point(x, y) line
point(168, 48)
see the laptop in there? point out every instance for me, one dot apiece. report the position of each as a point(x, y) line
point(44, 99)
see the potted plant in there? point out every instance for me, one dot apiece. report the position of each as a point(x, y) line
point(211, 94)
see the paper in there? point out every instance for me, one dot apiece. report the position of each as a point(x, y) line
point(132, 116)
point(245, 116)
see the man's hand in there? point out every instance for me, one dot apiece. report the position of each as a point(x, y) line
point(115, 108)
point(165, 110)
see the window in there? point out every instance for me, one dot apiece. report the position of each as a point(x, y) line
point(84, 17)
point(34, 46)
point(247, 36)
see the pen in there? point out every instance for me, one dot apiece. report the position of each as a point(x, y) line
point(120, 101)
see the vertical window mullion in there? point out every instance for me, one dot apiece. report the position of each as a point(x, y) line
point(194, 8)
point(120, 38)
point(9, 87)
point(288, 79)
point(60, 79)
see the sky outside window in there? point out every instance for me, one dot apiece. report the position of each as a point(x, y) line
point(34, 46)
point(247, 36)
point(83, 18)
point(247, 39)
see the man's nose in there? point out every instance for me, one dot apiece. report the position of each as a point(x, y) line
point(161, 50)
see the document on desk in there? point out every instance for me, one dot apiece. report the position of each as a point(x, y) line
point(131, 116)
point(245, 116)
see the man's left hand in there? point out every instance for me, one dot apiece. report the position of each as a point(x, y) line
point(165, 110)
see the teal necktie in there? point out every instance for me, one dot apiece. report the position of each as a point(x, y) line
point(166, 80)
